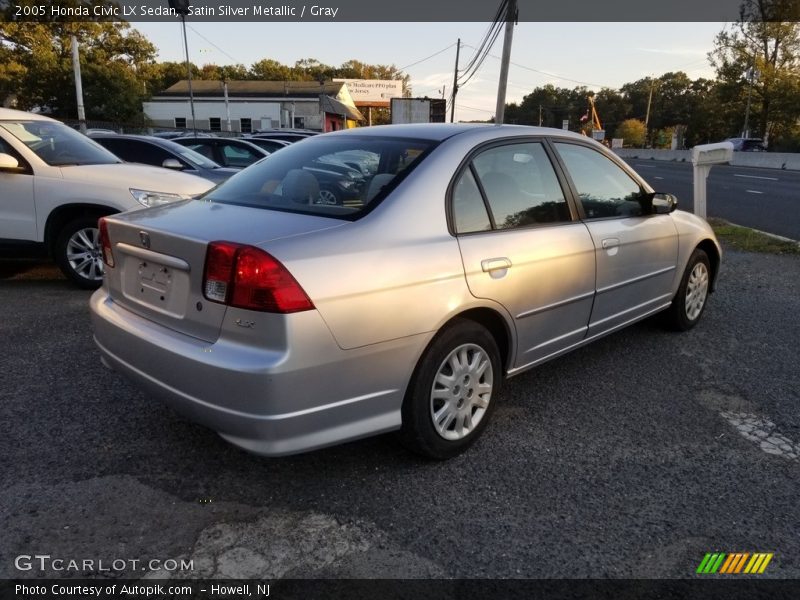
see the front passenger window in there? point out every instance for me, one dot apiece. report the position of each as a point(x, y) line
point(604, 189)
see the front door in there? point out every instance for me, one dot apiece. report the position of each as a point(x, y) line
point(636, 251)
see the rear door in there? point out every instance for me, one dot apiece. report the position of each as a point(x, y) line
point(522, 247)
point(637, 251)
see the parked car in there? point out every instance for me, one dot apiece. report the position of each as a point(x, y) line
point(475, 253)
point(747, 144)
point(148, 150)
point(339, 183)
point(286, 135)
point(172, 134)
point(268, 144)
point(54, 185)
point(228, 152)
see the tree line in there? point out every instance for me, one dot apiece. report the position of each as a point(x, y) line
point(756, 89)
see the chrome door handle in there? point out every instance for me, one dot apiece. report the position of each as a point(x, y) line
point(610, 243)
point(495, 264)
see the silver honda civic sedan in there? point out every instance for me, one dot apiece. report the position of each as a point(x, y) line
point(460, 255)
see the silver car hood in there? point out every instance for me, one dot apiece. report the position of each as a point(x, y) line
point(209, 221)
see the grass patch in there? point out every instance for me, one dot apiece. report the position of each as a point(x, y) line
point(743, 238)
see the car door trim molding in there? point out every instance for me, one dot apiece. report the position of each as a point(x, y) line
point(620, 284)
point(587, 340)
point(631, 309)
point(541, 309)
point(558, 339)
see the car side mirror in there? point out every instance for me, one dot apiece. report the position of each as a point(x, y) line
point(663, 204)
point(172, 163)
point(8, 162)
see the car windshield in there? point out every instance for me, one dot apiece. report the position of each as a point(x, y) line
point(194, 158)
point(59, 145)
point(337, 176)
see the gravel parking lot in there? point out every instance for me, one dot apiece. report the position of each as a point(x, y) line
point(631, 458)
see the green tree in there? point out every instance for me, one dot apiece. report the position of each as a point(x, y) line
point(632, 131)
point(759, 59)
point(271, 70)
point(556, 105)
point(36, 59)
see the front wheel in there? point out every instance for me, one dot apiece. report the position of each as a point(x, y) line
point(451, 395)
point(690, 301)
point(78, 254)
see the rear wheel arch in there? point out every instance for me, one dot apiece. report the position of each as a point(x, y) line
point(451, 393)
point(497, 326)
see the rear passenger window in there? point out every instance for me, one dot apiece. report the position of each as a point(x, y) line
point(469, 211)
point(520, 186)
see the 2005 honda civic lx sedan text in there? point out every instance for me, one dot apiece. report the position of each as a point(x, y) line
point(464, 255)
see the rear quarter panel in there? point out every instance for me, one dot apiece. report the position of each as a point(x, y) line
point(394, 273)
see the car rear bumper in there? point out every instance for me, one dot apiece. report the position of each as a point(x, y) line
point(268, 401)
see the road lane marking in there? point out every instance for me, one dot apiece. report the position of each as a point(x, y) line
point(756, 177)
point(657, 177)
point(753, 192)
point(646, 166)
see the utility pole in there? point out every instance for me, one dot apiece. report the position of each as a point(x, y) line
point(76, 68)
point(750, 76)
point(182, 8)
point(455, 83)
point(540, 115)
point(227, 104)
point(511, 17)
point(647, 115)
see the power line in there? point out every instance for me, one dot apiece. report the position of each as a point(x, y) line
point(233, 58)
point(427, 58)
point(551, 74)
point(460, 106)
point(486, 44)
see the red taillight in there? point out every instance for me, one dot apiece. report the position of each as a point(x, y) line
point(105, 243)
point(247, 277)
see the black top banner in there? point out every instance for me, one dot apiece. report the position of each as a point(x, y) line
point(394, 10)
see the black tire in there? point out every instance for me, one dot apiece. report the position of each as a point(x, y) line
point(419, 433)
point(692, 296)
point(80, 264)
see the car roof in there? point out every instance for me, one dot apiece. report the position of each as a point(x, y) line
point(155, 141)
point(218, 140)
point(441, 131)
point(9, 114)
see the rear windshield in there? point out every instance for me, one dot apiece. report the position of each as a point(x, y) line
point(337, 176)
point(58, 145)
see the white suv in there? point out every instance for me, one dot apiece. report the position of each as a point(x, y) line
point(55, 183)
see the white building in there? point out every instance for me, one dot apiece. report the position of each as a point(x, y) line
point(254, 105)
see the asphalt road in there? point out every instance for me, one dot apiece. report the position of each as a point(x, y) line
point(765, 199)
point(629, 458)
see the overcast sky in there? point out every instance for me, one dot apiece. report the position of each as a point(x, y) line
point(564, 54)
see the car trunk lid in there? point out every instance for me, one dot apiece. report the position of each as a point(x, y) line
point(160, 253)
